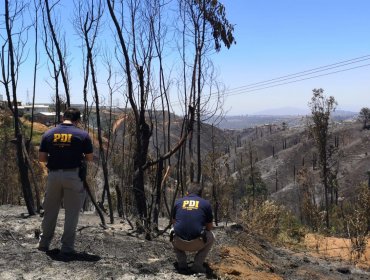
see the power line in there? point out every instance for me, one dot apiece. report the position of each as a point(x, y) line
point(295, 81)
point(279, 81)
point(308, 72)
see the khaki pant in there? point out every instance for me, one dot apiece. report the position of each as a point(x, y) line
point(195, 245)
point(67, 186)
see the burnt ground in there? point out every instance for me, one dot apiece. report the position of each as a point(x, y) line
point(119, 253)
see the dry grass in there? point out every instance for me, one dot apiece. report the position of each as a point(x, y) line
point(38, 127)
point(237, 263)
point(336, 248)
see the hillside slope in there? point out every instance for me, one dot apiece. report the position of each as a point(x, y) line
point(281, 153)
point(120, 253)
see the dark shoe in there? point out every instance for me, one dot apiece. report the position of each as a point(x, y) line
point(198, 269)
point(182, 268)
point(184, 271)
point(42, 248)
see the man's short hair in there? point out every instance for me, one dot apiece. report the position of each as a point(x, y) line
point(72, 114)
point(195, 188)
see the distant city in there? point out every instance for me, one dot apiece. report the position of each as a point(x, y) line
point(45, 113)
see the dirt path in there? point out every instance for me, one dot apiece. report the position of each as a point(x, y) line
point(117, 253)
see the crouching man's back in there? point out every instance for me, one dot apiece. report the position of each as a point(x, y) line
point(192, 220)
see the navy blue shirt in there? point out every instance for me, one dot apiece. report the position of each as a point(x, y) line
point(66, 145)
point(191, 213)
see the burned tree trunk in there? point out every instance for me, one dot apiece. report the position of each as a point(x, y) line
point(13, 106)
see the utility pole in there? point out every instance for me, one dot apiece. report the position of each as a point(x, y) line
point(28, 98)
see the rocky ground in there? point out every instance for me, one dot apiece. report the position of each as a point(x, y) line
point(119, 253)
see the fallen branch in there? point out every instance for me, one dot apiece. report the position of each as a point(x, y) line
point(101, 215)
point(12, 236)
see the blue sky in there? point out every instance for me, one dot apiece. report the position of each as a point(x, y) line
point(277, 38)
point(274, 38)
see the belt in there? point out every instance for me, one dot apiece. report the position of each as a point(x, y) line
point(187, 239)
point(64, 170)
point(202, 235)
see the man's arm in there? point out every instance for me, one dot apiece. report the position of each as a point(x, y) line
point(209, 226)
point(43, 157)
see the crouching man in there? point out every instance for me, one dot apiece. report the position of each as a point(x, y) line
point(192, 221)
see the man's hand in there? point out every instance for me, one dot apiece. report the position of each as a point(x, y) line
point(82, 171)
point(43, 157)
point(89, 157)
point(209, 226)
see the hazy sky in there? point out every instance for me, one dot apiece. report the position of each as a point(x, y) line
point(278, 38)
point(275, 38)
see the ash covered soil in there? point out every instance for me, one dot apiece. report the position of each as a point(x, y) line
point(120, 253)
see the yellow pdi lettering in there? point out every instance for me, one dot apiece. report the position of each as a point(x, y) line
point(66, 138)
point(185, 204)
point(190, 204)
point(56, 137)
point(194, 204)
point(62, 137)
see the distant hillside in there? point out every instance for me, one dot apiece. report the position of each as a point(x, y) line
point(221, 138)
point(281, 153)
point(290, 119)
point(281, 150)
point(284, 111)
point(247, 121)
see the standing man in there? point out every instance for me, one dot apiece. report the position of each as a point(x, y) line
point(63, 148)
point(192, 220)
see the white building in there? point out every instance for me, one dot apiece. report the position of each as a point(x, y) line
point(27, 109)
point(46, 118)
